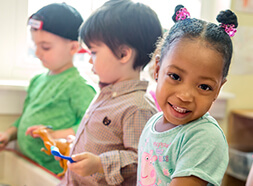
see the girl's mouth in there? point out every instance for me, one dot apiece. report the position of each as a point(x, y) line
point(179, 109)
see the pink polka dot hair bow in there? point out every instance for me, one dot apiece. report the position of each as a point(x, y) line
point(182, 14)
point(229, 28)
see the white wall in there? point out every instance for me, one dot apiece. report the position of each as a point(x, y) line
point(211, 8)
point(13, 18)
point(13, 36)
point(14, 64)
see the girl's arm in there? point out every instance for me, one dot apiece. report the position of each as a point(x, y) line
point(189, 181)
point(250, 177)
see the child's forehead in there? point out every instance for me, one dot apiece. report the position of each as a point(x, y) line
point(188, 54)
point(44, 36)
point(194, 45)
point(95, 44)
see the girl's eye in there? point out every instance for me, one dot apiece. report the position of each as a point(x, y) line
point(93, 53)
point(205, 87)
point(175, 77)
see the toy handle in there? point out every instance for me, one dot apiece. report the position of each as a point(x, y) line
point(67, 158)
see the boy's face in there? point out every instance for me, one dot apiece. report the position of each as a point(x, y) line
point(105, 64)
point(53, 51)
point(189, 80)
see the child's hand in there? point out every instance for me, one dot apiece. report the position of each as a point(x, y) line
point(86, 164)
point(57, 158)
point(4, 140)
point(71, 138)
point(30, 130)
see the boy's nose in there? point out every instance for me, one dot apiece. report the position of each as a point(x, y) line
point(37, 52)
point(90, 60)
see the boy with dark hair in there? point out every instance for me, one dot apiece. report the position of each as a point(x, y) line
point(121, 36)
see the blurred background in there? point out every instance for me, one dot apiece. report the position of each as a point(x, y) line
point(233, 109)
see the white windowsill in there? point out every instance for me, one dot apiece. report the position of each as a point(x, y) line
point(13, 84)
point(12, 96)
point(13, 93)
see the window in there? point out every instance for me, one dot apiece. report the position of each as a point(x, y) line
point(165, 9)
point(17, 57)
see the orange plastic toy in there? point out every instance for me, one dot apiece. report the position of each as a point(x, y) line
point(63, 145)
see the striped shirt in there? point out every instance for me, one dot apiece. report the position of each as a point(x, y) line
point(111, 129)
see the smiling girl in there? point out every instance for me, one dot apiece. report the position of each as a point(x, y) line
point(191, 68)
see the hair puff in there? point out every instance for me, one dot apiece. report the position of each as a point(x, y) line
point(227, 17)
point(177, 8)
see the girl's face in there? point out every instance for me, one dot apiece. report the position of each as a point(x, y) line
point(54, 52)
point(189, 80)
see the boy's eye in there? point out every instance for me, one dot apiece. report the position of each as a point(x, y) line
point(93, 56)
point(175, 77)
point(205, 87)
point(46, 48)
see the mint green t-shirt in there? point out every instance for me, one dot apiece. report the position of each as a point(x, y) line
point(198, 148)
point(57, 100)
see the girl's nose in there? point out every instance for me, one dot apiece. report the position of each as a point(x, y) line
point(186, 94)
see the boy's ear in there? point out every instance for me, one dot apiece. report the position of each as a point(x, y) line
point(74, 47)
point(125, 53)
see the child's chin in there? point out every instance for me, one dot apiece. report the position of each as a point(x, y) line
point(102, 85)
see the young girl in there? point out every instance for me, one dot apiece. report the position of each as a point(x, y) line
point(183, 144)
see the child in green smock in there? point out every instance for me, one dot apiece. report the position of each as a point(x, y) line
point(58, 98)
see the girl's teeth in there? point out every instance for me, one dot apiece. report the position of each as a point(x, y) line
point(178, 109)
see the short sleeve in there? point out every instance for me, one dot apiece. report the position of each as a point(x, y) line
point(204, 154)
point(81, 95)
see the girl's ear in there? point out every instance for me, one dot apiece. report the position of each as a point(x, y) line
point(157, 67)
point(222, 83)
point(126, 53)
point(74, 47)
